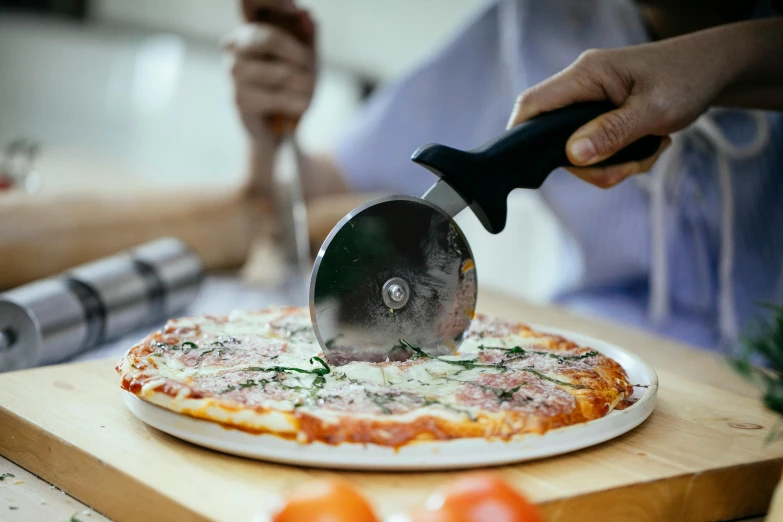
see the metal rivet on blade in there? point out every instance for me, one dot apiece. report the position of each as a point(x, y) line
point(395, 293)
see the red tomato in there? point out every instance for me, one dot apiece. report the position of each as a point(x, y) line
point(325, 501)
point(478, 497)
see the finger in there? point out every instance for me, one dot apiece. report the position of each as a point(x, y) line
point(262, 40)
point(569, 86)
point(263, 103)
point(606, 177)
point(274, 75)
point(250, 7)
point(307, 24)
point(610, 132)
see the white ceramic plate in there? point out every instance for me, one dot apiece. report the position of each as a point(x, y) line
point(463, 453)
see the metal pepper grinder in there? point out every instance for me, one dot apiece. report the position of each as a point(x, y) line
point(51, 320)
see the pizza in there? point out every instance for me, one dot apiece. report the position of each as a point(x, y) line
point(264, 372)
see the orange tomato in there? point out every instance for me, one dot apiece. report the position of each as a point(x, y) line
point(424, 515)
point(478, 497)
point(325, 501)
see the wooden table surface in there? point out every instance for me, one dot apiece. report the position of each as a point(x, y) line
point(26, 497)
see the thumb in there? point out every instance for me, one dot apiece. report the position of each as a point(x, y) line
point(307, 27)
point(608, 134)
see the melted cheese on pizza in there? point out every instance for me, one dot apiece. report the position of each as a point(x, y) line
point(264, 372)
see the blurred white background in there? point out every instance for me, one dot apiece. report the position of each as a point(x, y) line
point(141, 92)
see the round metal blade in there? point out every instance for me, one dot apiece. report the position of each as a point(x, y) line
point(394, 273)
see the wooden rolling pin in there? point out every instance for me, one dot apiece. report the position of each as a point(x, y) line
point(44, 234)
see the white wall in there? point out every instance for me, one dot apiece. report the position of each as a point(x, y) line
point(381, 38)
point(130, 96)
point(150, 105)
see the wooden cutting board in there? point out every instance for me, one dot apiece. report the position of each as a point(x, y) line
point(700, 456)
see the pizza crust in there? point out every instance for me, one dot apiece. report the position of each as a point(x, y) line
point(263, 372)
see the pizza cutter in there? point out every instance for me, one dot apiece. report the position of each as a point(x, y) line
point(397, 273)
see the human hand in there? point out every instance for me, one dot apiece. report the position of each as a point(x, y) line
point(273, 67)
point(659, 88)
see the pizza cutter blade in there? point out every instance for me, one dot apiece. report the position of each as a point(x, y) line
point(396, 270)
point(398, 273)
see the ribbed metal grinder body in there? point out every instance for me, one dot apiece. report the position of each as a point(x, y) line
point(51, 320)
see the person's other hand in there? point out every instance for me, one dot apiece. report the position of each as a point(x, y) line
point(273, 70)
point(659, 88)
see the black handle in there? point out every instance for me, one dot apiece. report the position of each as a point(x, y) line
point(521, 157)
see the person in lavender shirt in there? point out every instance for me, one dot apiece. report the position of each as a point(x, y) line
point(688, 249)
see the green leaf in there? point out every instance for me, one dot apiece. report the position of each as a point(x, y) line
point(380, 400)
point(467, 413)
point(773, 398)
point(320, 371)
point(766, 342)
point(202, 354)
point(468, 364)
point(776, 432)
point(507, 395)
point(771, 306)
point(472, 363)
point(520, 350)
